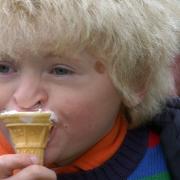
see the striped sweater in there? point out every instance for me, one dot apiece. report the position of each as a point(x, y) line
point(139, 158)
point(152, 165)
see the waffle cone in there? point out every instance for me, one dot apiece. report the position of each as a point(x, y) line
point(29, 132)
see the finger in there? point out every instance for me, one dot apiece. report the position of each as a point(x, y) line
point(10, 162)
point(34, 172)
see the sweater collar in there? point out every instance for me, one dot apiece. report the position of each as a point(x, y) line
point(122, 163)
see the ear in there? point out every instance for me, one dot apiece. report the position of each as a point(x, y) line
point(134, 91)
point(133, 80)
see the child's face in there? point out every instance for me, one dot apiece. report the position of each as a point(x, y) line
point(77, 88)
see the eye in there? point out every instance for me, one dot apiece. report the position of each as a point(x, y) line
point(61, 70)
point(6, 69)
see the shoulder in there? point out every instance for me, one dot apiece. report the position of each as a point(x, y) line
point(168, 125)
point(170, 115)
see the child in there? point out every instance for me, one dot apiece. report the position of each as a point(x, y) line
point(103, 66)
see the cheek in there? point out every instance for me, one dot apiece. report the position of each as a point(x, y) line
point(75, 114)
point(77, 121)
point(5, 95)
point(87, 114)
point(82, 123)
point(78, 130)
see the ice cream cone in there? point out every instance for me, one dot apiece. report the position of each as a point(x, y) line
point(29, 131)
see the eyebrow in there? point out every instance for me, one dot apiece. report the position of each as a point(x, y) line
point(8, 58)
point(61, 57)
point(52, 54)
point(5, 56)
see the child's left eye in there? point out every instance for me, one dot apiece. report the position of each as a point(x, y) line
point(5, 69)
point(61, 71)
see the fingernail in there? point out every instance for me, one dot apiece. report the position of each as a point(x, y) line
point(34, 159)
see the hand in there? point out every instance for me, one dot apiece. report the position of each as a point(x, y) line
point(30, 170)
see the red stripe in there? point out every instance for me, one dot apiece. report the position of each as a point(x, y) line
point(5, 147)
point(153, 139)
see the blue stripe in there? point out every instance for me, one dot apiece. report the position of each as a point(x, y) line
point(152, 164)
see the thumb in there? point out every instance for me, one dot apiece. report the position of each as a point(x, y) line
point(10, 162)
point(34, 172)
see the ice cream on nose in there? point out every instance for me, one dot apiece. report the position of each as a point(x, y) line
point(29, 131)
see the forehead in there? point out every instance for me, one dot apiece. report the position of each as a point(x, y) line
point(43, 47)
point(35, 45)
point(39, 39)
point(47, 55)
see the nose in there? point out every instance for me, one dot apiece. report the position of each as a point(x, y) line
point(30, 94)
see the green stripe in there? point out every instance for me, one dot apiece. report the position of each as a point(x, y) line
point(164, 176)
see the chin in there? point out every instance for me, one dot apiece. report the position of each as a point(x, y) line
point(50, 156)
